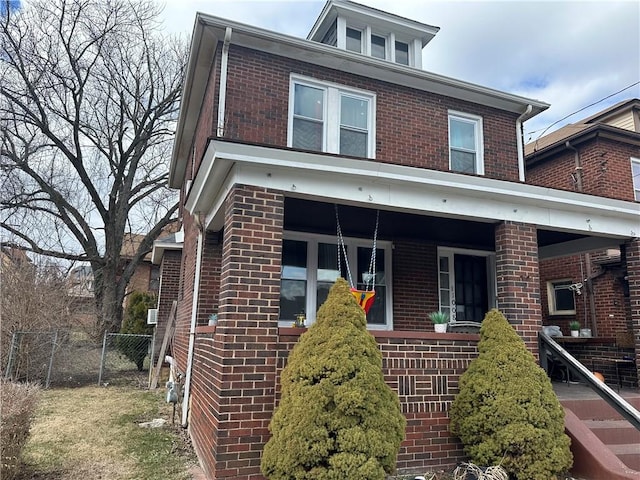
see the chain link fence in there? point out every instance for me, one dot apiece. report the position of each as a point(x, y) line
point(68, 358)
point(126, 358)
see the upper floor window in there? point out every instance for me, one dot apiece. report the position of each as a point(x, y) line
point(635, 175)
point(402, 53)
point(354, 40)
point(378, 46)
point(465, 143)
point(561, 298)
point(331, 118)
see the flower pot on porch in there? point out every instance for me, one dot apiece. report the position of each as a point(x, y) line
point(440, 327)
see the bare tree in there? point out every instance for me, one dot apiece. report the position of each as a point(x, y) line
point(89, 92)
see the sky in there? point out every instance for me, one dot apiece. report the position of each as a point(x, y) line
point(570, 54)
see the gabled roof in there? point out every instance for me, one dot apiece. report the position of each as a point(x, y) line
point(209, 31)
point(586, 129)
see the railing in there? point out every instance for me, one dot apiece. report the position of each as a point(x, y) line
point(582, 373)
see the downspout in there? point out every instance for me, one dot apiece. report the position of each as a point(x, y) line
point(194, 320)
point(520, 143)
point(578, 178)
point(222, 95)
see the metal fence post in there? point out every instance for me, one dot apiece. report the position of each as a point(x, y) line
point(12, 353)
point(104, 351)
point(53, 351)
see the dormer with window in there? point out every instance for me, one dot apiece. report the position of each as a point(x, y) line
point(357, 28)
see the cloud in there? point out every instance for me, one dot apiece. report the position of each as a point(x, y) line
point(566, 53)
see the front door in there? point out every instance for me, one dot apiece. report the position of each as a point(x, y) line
point(466, 283)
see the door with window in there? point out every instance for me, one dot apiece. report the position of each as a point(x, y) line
point(466, 283)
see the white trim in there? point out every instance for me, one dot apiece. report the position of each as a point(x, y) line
point(635, 181)
point(402, 189)
point(312, 240)
point(479, 137)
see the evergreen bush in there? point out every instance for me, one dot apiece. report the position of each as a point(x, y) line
point(506, 411)
point(337, 418)
point(135, 322)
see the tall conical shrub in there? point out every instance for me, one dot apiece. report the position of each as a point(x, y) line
point(506, 412)
point(337, 419)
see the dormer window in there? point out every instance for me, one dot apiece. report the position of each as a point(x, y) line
point(402, 53)
point(378, 46)
point(357, 28)
point(354, 40)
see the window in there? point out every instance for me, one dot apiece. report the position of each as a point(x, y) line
point(331, 118)
point(561, 298)
point(402, 53)
point(378, 46)
point(465, 143)
point(635, 175)
point(354, 40)
point(310, 267)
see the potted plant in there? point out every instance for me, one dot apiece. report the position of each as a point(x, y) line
point(574, 326)
point(440, 320)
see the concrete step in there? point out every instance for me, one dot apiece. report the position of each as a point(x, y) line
point(614, 432)
point(629, 453)
point(596, 408)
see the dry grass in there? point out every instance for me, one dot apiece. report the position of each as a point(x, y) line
point(92, 433)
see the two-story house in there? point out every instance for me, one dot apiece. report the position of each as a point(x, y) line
point(279, 139)
point(600, 156)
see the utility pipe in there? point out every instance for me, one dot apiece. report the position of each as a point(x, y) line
point(520, 143)
point(194, 319)
point(222, 95)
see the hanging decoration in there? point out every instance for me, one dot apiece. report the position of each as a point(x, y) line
point(365, 298)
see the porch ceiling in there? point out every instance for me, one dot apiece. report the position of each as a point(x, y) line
point(450, 207)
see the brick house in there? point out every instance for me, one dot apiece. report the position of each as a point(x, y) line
point(599, 155)
point(274, 132)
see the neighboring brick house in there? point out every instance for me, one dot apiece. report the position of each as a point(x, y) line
point(599, 155)
point(273, 132)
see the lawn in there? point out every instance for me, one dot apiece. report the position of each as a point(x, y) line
point(92, 433)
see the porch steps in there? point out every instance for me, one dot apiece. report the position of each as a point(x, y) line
point(603, 444)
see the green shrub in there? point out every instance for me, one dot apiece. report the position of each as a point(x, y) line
point(135, 322)
point(506, 412)
point(337, 418)
point(18, 407)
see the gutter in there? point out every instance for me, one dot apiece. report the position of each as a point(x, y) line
point(224, 67)
point(192, 329)
point(520, 142)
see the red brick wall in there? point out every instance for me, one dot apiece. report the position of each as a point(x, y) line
point(234, 387)
point(518, 279)
point(606, 168)
point(560, 269)
point(169, 285)
point(415, 285)
point(632, 257)
point(412, 126)
point(423, 368)
point(185, 294)
point(210, 277)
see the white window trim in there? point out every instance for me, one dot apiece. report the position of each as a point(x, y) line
point(492, 281)
point(331, 112)
point(477, 120)
point(352, 243)
point(635, 182)
point(551, 297)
